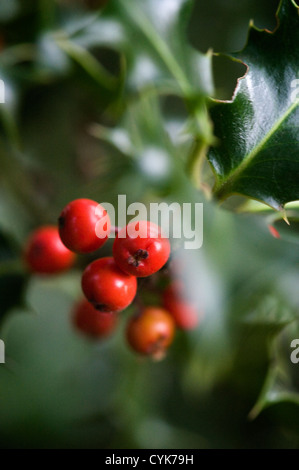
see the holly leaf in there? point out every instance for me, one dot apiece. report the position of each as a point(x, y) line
point(151, 37)
point(281, 382)
point(160, 51)
point(258, 151)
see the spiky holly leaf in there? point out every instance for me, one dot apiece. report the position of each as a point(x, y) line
point(258, 151)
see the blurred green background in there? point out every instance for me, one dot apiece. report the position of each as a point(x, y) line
point(230, 383)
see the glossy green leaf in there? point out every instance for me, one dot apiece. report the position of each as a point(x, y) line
point(258, 151)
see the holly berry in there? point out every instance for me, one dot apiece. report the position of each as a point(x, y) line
point(107, 287)
point(151, 332)
point(84, 225)
point(140, 249)
point(182, 310)
point(92, 322)
point(45, 253)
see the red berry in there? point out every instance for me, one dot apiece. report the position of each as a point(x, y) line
point(140, 248)
point(107, 287)
point(92, 322)
point(151, 332)
point(84, 225)
point(45, 253)
point(182, 310)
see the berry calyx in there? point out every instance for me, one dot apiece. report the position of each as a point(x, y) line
point(151, 332)
point(45, 253)
point(92, 322)
point(140, 248)
point(107, 287)
point(136, 259)
point(84, 225)
point(182, 309)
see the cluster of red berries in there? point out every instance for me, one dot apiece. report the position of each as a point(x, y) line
point(110, 283)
